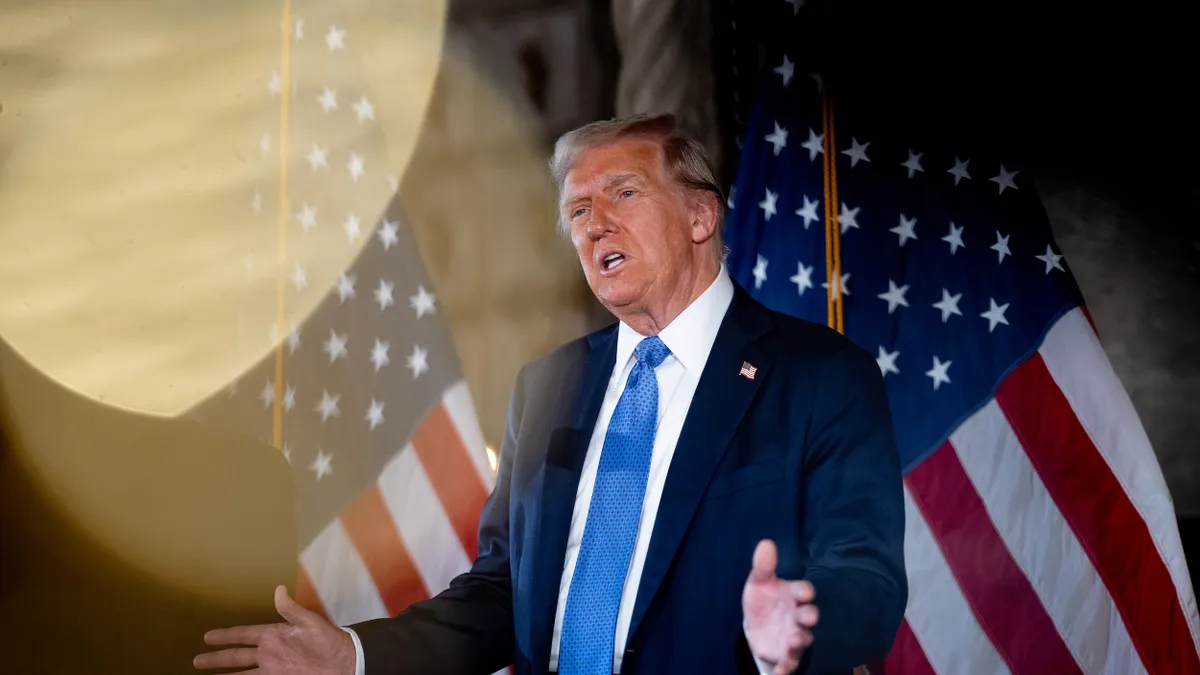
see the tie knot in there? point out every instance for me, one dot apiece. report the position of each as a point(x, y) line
point(651, 351)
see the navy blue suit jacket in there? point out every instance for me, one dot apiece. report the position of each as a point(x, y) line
point(803, 454)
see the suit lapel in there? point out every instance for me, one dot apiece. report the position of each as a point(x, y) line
point(722, 397)
point(560, 481)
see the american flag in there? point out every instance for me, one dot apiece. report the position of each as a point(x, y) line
point(1039, 535)
point(359, 386)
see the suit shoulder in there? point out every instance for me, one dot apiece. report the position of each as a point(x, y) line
point(566, 358)
point(803, 337)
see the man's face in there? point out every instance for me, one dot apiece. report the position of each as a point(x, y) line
point(633, 230)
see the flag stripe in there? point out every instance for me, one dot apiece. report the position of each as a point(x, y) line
point(462, 413)
point(1043, 545)
point(1092, 501)
point(340, 578)
point(937, 612)
point(306, 594)
point(1004, 603)
point(427, 532)
point(907, 657)
point(1075, 359)
point(450, 471)
point(368, 522)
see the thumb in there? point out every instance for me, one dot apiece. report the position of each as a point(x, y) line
point(291, 610)
point(765, 559)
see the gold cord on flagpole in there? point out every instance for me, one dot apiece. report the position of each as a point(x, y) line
point(833, 248)
point(285, 70)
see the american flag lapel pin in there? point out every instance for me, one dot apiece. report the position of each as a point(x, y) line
point(747, 370)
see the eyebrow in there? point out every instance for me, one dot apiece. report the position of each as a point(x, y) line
point(610, 182)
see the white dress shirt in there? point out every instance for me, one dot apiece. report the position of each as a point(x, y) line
point(690, 338)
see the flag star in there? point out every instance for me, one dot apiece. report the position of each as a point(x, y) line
point(948, 305)
point(802, 278)
point(1051, 259)
point(322, 465)
point(375, 414)
point(796, 5)
point(299, 278)
point(809, 212)
point(345, 286)
point(768, 204)
point(913, 163)
point(275, 84)
point(289, 398)
point(777, 138)
point(267, 395)
point(264, 144)
point(293, 341)
point(786, 70)
point(351, 227)
point(335, 39)
point(307, 217)
point(364, 109)
point(383, 294)
point(256, 202)
point(355, 167)
point(857, 152)
point(939, 372)
point(906, 229)
point(287, 452)
point(843, 288)
point(760, 272)
point(894, 296)
point(815, 144)
point(848, 218)
point(422, 302)
point(328, 407)
point(335, 346)
point(379, 354)
point(995, 314)
point(954, 238)
point(387, 234)
point(328, 99)
point(1005, 179)
point(299, 30)
point(887, 361)
point(960, 170)
point(732, 192)
point(318, 157)
point(1001, 246)
point(417, 361)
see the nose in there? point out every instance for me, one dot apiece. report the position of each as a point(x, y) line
point(601, 223)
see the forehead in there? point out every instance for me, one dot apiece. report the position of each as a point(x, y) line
point(599, 166)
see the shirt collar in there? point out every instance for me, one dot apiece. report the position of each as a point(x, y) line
point(691, 335)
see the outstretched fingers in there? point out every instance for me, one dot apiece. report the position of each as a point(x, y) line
point(237, 657)
point(238, 635)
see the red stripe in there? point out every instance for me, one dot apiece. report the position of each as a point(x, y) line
point(1099, 512)
point(906, 658)
point(1008, 609)
point(369, 525)
point(453, 475)
point(306, 594)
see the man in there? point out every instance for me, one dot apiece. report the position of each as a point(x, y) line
point(660, 478)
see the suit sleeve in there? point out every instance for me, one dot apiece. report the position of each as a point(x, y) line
point(853, 517)
point(468, 628)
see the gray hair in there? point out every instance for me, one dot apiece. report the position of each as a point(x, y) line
point(686, 161)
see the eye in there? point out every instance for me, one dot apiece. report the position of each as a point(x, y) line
point(627, 193)
point(577, 212)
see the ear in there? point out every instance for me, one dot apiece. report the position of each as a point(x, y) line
point(703, 207)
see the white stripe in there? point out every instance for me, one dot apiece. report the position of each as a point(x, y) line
point(340, 578)
point(1043, 545)
point(462, 413)
point(937, 612)
point(426, 530)
point(1083, 373)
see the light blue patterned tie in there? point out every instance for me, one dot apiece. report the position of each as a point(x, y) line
point(590, 619)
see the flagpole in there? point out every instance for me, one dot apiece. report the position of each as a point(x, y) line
point(833, 248)
point(285, 69)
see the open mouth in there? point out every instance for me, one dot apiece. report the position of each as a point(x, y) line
point(611, 261)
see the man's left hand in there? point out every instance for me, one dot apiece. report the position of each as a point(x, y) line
point(777, 615)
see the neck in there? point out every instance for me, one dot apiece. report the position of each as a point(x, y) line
point(652, 318)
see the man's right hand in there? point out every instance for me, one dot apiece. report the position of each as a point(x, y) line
point(306, 644)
